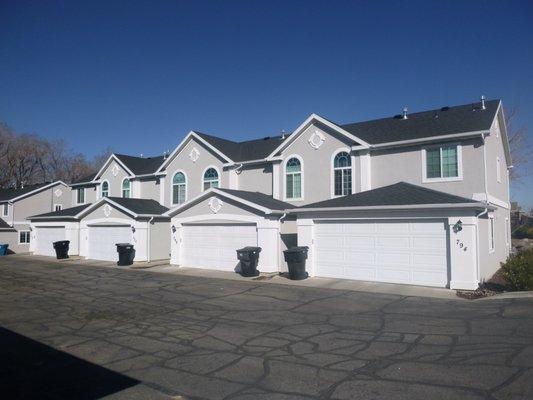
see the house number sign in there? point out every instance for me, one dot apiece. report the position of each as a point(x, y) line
point(461, 245)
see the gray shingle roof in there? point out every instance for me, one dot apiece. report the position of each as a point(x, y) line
point(66, 212)
point(84, 179)
point(4, 226)
point(256, 149)
point(260, 199)
point(140, 206)
point(399, 194)
point(10, 193)
point(439, 122)
point(141, 165)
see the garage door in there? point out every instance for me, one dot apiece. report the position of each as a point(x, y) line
point(45, 239)
point(214, 246)
point(413, 252)
point(102, 240)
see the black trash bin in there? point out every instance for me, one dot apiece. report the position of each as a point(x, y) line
point(126, 253)
point(61, 249)
point(295, 258)
point(249, 256)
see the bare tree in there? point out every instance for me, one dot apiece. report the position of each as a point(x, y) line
point(519, 146)
point(99, 159)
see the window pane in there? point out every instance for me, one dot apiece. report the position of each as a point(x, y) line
point(342, 160)
point(347, 181)
point(179, 178)
point(288, 189)
point(449, 162)
point(338, 182)
point(181, 194)
point(297, 186)
point(433, 163)
point(293, 165)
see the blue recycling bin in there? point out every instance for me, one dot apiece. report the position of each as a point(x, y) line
point(3, 249)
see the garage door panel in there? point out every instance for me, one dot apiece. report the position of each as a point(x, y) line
point(46, 236)
point(397, 251)
point(214, 246)
point(393, 258)
point(435, 243)
point(103, 240)
point(392, 242)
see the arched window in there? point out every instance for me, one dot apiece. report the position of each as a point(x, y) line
point(342, 174)
point(105, 189)
point(126, 188)
point(293, 179)
point(210, 178)
point(179, 188)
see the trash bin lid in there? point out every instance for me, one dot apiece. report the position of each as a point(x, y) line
point(250, 248)
point(123, 244)
point(297, 249)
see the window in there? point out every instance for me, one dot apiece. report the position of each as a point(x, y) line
point(105, 189)
point(5, 211)
point(126, 188)
point(210, 178)
point(442, 163)
point(342, 174)
point(498, 170)
point(293, 179)
point(58, 207)
point(80, 195)
point(491, 233)
point(24, 237)
point(179, 188)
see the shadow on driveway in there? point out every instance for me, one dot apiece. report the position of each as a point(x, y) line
point(32, 370)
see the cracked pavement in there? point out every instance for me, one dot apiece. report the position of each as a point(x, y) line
point(201, 338)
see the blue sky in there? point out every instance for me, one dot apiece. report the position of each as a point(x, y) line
point(138, 75)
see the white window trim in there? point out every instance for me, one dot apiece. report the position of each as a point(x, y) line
point(5, 210)
point(58, 204)
point(186, 187)
point(459, 176)
point(302, 189)
point(77, 195)
point(498, 170)
point(108, 189)
point(332, 168)
point(122, 188)
point(29, 237)
point(202, 179)
point(492, 234)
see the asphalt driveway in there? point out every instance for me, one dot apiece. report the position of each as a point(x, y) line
point(152, 335)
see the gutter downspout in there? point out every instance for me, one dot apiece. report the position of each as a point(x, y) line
point(148, 241)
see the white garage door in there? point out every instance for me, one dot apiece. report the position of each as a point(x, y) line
point(102, 241)
point(46, 237)
point(214, 246)
point(408, 251)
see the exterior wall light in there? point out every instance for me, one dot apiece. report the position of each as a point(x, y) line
point(458, 226)
point(173, 229)
point(132, 229)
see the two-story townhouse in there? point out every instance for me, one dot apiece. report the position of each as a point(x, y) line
point(419, 198)
point(118, 204)
point(17, 205)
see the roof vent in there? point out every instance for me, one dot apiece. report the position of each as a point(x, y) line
point(483, 103)
point(445, 108)
point(404, 114)
point(283, 134)
point(141, 155)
